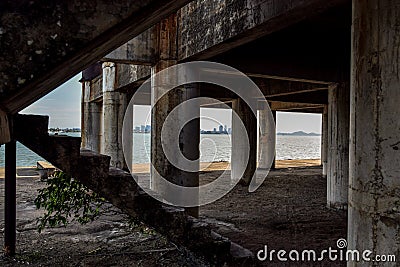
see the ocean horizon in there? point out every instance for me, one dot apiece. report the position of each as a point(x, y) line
point(213, 147)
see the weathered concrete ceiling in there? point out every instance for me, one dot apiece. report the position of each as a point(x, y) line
point(208, 28)
point(211, 27)
point(317, 48)
point(43, 43)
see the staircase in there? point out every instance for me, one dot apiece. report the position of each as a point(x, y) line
point(119, 188)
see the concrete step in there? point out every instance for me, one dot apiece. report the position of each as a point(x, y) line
point(33, 125)
point(92, 168)
point(61, 151)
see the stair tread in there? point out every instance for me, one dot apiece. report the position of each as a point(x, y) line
point(35, 125)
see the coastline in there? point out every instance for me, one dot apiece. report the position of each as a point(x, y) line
point(31, 171)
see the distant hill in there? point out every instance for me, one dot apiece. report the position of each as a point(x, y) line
point(300, 133)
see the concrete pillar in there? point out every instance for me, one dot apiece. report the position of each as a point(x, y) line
point(338, 145)
point(374, 196)
point(10, 196)
point(114, 107)
point(324, 142)
point(240, 159)
point(91, 120)
point(264, 149)
point(189, 137)
point(127, 110)
point(273, 166)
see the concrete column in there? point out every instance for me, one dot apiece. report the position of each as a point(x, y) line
point(189, 137)
point(264, 150)
point(114, 107)
point(374, 196)
point(273, 166)
point(10, 196)
point(324, 142)
point(239, 158)
point(338, 145)
point(127, 110)
point(91, 120)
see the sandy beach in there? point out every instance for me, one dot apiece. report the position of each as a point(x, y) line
point(224, 165)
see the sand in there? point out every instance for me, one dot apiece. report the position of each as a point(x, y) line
point(288, 211)
point(223, 165)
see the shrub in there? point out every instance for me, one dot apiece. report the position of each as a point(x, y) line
point(66, 200)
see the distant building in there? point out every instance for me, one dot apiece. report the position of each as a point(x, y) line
point(142, 128)
point(147, 129)
point(221, 128)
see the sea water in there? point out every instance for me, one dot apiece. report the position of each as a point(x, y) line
point(213, 147)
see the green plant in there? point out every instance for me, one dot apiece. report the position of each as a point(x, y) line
point(65, 200)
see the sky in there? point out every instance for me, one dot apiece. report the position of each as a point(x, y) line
point(63, 105)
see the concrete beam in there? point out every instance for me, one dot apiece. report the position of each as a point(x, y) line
point(314, 97)
point(40, 52)
point(271, 88)
point(216, 104)
point(283, 78)
point(275, 87)
point(129, 74)
point(374, 206)
point(292, 106)
point(93, 91)
point(307, 110)
point(140, 50)
point(128, 78)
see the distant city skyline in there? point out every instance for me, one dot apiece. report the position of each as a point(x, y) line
point(63, 105)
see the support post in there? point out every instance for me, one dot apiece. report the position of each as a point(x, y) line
point(264, 150)
point(128, 134)
point(91, 120)
point(189, 137)
point(374, 196)
point(10, 198)
point(273, 166)
point(114, 106)
point(338, 143)
point(324, 142)
point(5, 134)
point(239, 159)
